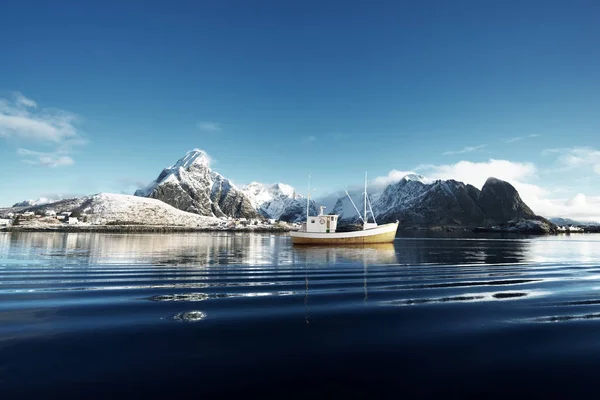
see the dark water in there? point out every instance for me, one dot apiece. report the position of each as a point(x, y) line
point(93, 315)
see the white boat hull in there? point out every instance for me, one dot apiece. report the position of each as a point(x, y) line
point(380, 234)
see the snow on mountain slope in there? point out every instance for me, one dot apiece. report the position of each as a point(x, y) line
point(346, 211)
point(415, 177)
point(414, 201)
point(190, 185)
point(108, 207)
point(38, 202)
point(278, 201)
point(104, 208)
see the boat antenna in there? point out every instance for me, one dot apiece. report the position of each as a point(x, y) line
point(365, 213)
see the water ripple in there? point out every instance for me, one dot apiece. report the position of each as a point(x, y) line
point(189, 316)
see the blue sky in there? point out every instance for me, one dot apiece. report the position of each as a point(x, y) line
point(100, 97)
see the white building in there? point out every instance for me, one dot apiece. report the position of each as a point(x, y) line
point(272, 221)
point(50, 213)
point(322, 223)
point(73, 220)
point(27, 215)
point(5, 222)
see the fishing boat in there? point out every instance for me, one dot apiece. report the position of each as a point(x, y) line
point(321, 229)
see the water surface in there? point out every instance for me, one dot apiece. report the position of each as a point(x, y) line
point(221, 314)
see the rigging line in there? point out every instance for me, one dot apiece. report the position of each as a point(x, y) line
point(354, 205)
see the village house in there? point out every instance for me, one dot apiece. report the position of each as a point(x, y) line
point(5, 222)
point(50, 213)
point(63, 216)
point(27, 215)
point(72, 220)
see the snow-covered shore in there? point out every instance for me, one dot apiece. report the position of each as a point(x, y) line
point(109, 212)
point(141, 228)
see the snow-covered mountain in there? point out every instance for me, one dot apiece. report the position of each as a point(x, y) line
point(414, 202)
point(278, 201)
point(38, 202)
point(347, 212)
point(190, 185)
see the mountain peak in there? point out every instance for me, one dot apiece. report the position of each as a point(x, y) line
point(284, 189)
point(193, 157)
point(500, 201)
point(414, 177)
point(494, 181)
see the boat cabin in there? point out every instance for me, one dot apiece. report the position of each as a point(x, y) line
point(321, 223)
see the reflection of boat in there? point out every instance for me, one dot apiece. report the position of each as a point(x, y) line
point(380, 253)
point(321, 229)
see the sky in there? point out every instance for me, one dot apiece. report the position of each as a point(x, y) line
point(101, 96)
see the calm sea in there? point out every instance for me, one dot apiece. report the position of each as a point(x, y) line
point(213, 315)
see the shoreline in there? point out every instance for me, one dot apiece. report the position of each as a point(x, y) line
point(258, 229)
point(138, 229)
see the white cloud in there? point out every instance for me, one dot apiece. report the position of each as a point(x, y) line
point(519, 138)
point(23, 121)
point(476, 173)
point(579, 207)
point(52, 160)
point(577, 157)
point(468, 149)
point(208, 126)
point(24, 101)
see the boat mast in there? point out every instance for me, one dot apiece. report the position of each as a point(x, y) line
point(308, 197)
point(365, 212)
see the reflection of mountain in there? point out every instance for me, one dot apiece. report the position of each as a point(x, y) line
point(275, 250)
point(384, 253)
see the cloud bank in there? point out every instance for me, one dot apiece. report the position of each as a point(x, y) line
point(22, 121)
